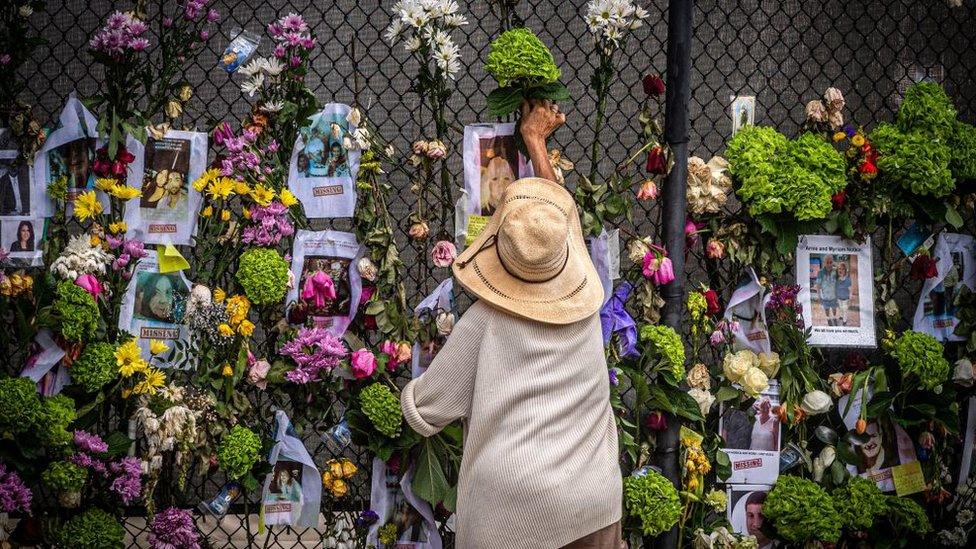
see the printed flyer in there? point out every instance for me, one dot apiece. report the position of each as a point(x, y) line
point(293, 489)
point(746, 313)
point(394, 502)
point(745, 512)
point(68, 152)
point(936, 311)
point(322, 173)
point(327, 280)
point(166, 213)
point(491, 163)
point(154, 304)
point(752, 439)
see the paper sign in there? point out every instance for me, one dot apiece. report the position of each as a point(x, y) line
point(908, 478)
point(170, 259)
point(476, 224)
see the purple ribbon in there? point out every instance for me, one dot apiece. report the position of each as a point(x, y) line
point(614, 318)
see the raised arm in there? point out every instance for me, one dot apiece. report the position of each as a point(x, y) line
point(539, 120)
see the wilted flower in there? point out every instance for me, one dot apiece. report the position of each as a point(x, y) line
point(653, 84)
point(816, 112)
point(443, 254)
point(714, 249)
point(367, 269)
point(657, 161)
point(419, 231)
point(647, 190)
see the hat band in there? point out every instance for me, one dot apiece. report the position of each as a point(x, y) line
point(562, 268)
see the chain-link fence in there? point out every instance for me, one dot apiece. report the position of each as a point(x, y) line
point(784, 53)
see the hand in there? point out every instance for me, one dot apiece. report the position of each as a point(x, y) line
point(539, 119)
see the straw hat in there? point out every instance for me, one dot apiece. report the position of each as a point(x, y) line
point(531, 259)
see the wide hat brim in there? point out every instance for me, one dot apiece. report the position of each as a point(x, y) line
point(572, 295)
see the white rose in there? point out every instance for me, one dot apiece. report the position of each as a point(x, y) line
point(754, 382)
point(769, 364)
point(367, 269)
point(816, 403)
point(354, 117)
point(704, 399)
point(445, 323)
point(737, 364)
point(636, 250)
point(963, 373)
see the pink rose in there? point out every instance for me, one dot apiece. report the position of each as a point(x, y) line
point(258, 372)
point(443, 254)
point(657, 266)
point(389, 348)
point(648, 190)
point(90, 284)
point(715, 249)
point(363, 363)
point(404, 352)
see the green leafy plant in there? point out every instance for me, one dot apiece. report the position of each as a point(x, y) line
point(524, 69)
point(920, 357)
point(382, 408)
point(264, 275)
point(57, 412)
point(963, 161)
point(20, 408)
point(907, 517)
point(802, 511)
point(238, 452)
point(653, 500)
point(663, 344)
point(928, 108)
point(859, 502)
point(95, 366)
point(914, 160)
point(75, 312)
point(64, 476)
point(93, 529)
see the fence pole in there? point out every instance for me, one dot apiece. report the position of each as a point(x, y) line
point(677, 98)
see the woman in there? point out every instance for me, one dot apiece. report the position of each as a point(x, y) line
point(525, 369)
point(159, 299)
point(827, 287)
point(25, 238)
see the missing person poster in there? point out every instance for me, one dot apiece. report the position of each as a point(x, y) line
point(746, 314)
point(331, 300)
point(752, 439)
point(153, 306)
point(439, 307)
point(491, 163)
point(745, 512)
point(69, 153)
point(322, 173)
point(886, 446)
point(166, 213)
point(936, 311)
point(293, 489)
point(20, 239)
point(836, 290)
point(393, 500)
point(15, 185)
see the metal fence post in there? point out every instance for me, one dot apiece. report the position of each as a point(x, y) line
point(677, 98)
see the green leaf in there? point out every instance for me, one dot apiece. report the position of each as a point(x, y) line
point(118, 443)
point(555, 91)
point(725, 393)
point(952, 217)
point(429, 482)
point(505, 101)
point(723, 465)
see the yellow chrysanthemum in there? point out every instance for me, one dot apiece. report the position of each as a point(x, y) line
point(241, 188)
point(201, 183)
point(225, 330)
point(153, 380)
point(87, 205)
point(218, 295)
point(207, 212)
point(117, 227)
point(840, 136)
point(287, 198)
point(94, 241)
point(237, 308)
point(220, 189)
point(124, 192)
point(247, 213)
point(128, 357)
point(157, 347)
point(227, 371)
point(105, 184)
point(225, 215)
point(262, 195)
point(246, 328)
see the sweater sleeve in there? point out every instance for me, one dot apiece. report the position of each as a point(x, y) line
point(443, 393)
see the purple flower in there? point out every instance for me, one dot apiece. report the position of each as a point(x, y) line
point(14, 494)
point(294, 61)
point(128, 483)
point(134, 248)
point(167, 22)
point(174, 529)
point(293, 22)
point(90, 443)
point(613, 377)
point(204, 35)
point(5, 59)
point(88, 462)
point(367, 518)
point(314, 350)
point(279, 51)
point(213, 16)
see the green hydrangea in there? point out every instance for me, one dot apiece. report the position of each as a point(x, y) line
point(654, 500)
point(93, 529)
point(665, 345)
point(95, 366)
point(859, 502)
point(238, 452)
point(264, 275)
point(76, 312)
point(919, 356)
point(779, 176)
point(519, 57)
point(57, 412)
point(927, 108)
point(382, 408)
point(963, 161)
point(914, 160)
point(802, 511)
point(907, 517)
point(20, 407)
point(64, 476)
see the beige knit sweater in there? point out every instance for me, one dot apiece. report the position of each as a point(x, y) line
point(539, 468)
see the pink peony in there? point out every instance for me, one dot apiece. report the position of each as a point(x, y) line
point(363, 363)
point(443, 254)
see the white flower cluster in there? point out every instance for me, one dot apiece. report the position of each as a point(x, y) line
point(175, 430)
point(609, 20)
point(80, 257)
point(256, 71)
point(425, 26)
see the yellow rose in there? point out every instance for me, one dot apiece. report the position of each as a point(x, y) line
point(327, 479)
point(840, 136)
point(754, 382)
point(225, 330)
point(769, 364)
point(246, 328)
point(735, 365)
point(335, 468)
point(348, 468)
point(174, 109)
point(186, 92)
point(339, 488)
